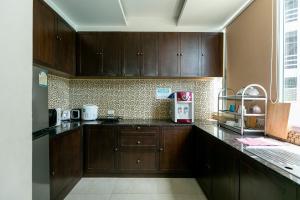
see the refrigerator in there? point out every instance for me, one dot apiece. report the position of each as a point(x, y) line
point(40, 142)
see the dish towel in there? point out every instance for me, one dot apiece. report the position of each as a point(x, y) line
point(261, 141)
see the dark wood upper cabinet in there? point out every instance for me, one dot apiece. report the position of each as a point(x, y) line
point(212, 55)
point(175, 143)
point(111, 45)
point(88, 54)
point(65, 163)
point(190, 47)
point(65, 48)
point(149, 54)
point(100, 145)
point(44, 34)
point(132, 54)
point(169, 54)
point(53, 40)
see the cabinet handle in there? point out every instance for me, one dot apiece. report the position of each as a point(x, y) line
point(181, 54)
point(138, 142)
point(138, 53)
point(138, 128)
point(177, 54)
point(202, 54)
point(161, 149)
point(138, 161)
point(116, 149)
point(142, 54)
point(53, 173)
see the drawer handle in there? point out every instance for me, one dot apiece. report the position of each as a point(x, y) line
point(138, 142)
point(138, 128)
point(161, 149)
point(116, 149)
point(138, 161)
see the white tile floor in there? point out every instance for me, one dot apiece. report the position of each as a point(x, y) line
point(136, 189)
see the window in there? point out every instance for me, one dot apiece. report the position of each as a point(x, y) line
point(289, 56)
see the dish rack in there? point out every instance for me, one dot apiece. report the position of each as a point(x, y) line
point(241, 99)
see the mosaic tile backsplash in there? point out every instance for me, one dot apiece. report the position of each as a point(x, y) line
point(132, 98)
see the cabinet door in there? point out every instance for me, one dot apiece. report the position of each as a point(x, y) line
point(203, 154)
point(100, 146)
point(111, 51)
point(259, 183)
point(174, 149)
point(138, 160)
point(43, 34)
point(224, 174)
point(212, 55)
point(169, 55)
point(190, 54)
point(88, 54)
point(132, 54)
point(149, 56)
point(66, 163)
point(65, 48)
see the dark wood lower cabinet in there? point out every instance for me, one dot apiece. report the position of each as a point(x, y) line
point(65, 163)
point(175, 143)
point(100, 147)
point(260, 183)
point(225, 176)
point(138, 160)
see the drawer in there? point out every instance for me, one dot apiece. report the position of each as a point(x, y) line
point(138, 129)
point(137, 160)
point(147, 140)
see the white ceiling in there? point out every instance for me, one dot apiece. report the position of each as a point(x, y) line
point(148, 15)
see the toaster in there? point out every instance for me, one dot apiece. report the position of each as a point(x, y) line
point(75, 114)
point(66, 115)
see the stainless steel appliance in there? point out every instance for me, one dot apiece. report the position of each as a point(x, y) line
point(40, 144)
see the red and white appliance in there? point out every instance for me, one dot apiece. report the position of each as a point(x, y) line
point(182, 107)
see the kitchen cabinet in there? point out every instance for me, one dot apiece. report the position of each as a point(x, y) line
point(100, 147)
point(138, 149)
point(53, 40)
point(169, 55)
point(175, 143)
point(190, 48)
point(65, 163)
point(65, 47)
point(215, 167)
point(140, 54)
point(132, 54)
point(202, 168)
point(225, 177)
point(110, 53)
point(99, 54)
point(179, 54)
point(212, 55)
point(260, 183)
point(44, 34)
point(88, 55)
point(149, 54)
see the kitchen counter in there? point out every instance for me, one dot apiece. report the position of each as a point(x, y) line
point(230, 138)
point(226, 136)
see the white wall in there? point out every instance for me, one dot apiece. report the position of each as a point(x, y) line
point(15, 99)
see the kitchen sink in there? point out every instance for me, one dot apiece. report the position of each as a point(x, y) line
point(285, 157)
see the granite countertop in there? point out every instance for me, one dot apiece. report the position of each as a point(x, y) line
point(226, 136)
point(230, 138)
